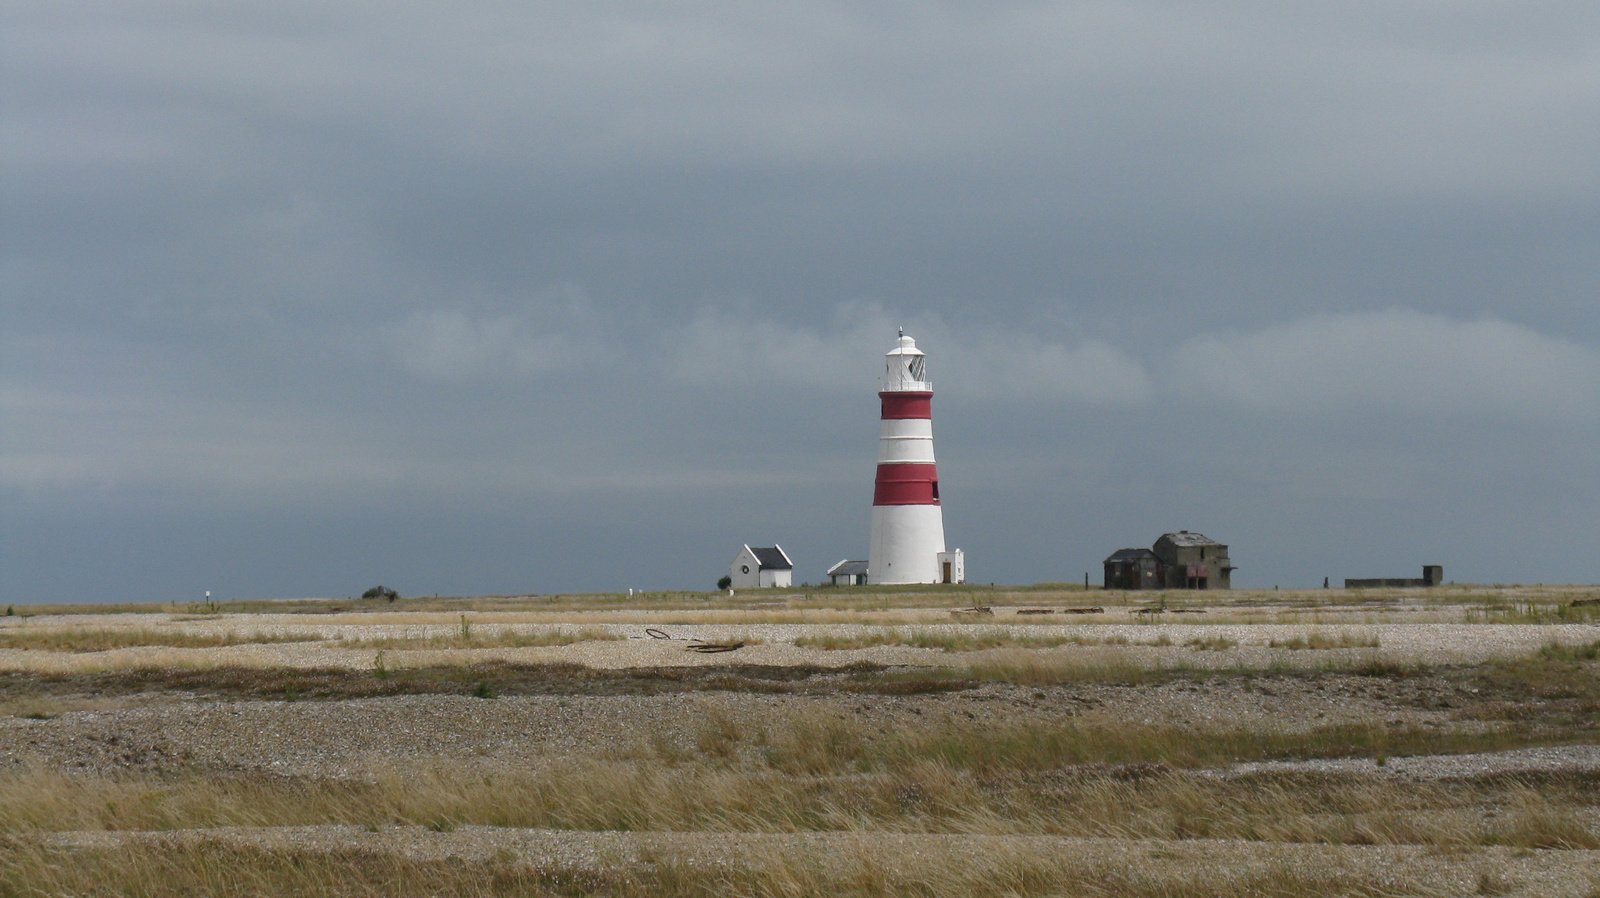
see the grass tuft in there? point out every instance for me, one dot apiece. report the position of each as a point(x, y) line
point(1319, 641)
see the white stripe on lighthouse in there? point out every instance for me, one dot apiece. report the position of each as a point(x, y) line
point(906, 440)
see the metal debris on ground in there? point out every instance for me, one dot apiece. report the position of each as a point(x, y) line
point(1036, 611)
point(1095, 610)
point(695, 645)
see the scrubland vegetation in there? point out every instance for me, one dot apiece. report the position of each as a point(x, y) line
point(854, 869)
point(1084, 759)
point(974, 640)
point(466, 639)
point(63, 640)
point(926, 786)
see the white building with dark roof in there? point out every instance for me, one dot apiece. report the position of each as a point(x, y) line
point(757, 567)
point(848, 573)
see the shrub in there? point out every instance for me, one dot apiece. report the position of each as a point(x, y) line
point(381, 592)
point(1212, 644)
point(725, 582)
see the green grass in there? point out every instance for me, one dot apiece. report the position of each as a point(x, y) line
point(1510, 611)
point(1565, 675)
point(1023, 668)
point(1561, 653)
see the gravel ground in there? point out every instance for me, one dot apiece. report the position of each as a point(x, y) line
point(773, 644)
point(168, 732)
point(344, 738)
point(1580, 760)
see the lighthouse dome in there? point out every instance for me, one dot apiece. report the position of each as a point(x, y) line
point(906, 367)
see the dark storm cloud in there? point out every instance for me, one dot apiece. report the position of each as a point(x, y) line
point(1316, 278)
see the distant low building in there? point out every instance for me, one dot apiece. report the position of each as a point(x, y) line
point(1432, 575)
point(1132, 569)
point(1193, 561)
point(1180, 560)
point(848, 573)
point(952, 566)
point(754, 568)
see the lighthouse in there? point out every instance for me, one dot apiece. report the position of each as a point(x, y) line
point(907, 520)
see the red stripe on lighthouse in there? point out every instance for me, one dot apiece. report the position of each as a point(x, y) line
point(908, 404)
point(906, 484)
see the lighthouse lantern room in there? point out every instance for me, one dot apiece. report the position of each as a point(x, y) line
point(907, 519)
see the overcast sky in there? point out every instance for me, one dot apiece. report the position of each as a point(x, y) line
point(491, 297)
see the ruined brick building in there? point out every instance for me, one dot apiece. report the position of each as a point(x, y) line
point(1181, 560)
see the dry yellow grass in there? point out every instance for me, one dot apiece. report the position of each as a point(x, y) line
point(1320, 641)
point(729, 782)
point(464, 638)
point(967, 641)
point(851, 866)
point(69, 639)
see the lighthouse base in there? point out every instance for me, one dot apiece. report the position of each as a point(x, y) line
point(906, 543)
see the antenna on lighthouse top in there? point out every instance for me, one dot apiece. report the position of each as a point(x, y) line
point(902, 332)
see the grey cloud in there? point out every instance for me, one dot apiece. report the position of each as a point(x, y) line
point(186, 448)
point(1025, 368)
point(294, 261)
point(1398, 359)
point(723, 347)
point(451, 345)
point(556, 329)
point(737, 348)
point(835, 83)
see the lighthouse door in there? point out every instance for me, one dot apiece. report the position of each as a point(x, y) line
point(946, 572)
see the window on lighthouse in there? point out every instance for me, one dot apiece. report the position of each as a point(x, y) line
point(919, 367)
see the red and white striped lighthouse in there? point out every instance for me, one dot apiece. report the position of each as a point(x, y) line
point(907, 520)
